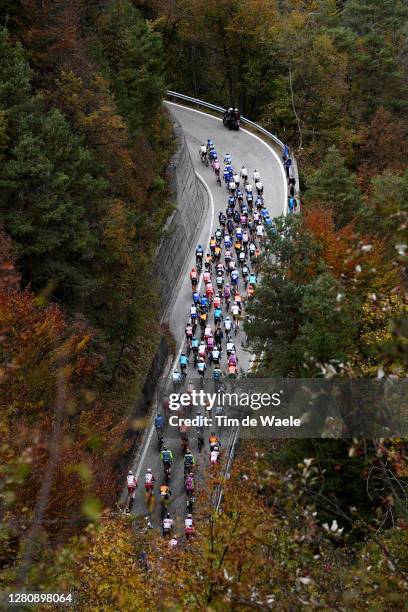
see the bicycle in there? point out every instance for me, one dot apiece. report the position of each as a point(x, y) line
point(164, 504)
point(167, 471)
point(149, 496)
point(204, 159)
point(130, 499)
point(159, 432)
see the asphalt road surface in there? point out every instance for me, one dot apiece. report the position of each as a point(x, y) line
point(245, 149)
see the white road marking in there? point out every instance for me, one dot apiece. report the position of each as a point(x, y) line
point(149, 438)
point(274, 153)
point(176, 360)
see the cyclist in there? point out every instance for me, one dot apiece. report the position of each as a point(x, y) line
point(183, 364)
point(259, 202)
point(229, 169)
point(226, 176)
point(217, 375)
point(230, 226)
point(217, 315)
point(231, 201)
point(244, 174)
point(256, 176)
point(232, 359)
point(252, 249)
point(199, 255)
point(236, 179)
point(193, 315)
point(207, 332)
point(189, 333)
point(239, 196)
point(174, 541)
point(215, 356)
point(209, 144)
point(131, 482)
point(189, 484)
point(193, 278)
point(213, 441)
point(227, 326)
point(242, 258)
point(189, 526)
point(227, 295)
point(189, 461)
point(235, 314)
point(218, 336)
point(203, 152)
point(159, 424)
point(227, 159)
point(232, 370)
point(218, 236)
point(201, 367)
point(230, 348)
point(212, 155)
point(250, 292)
point(167, 457)
point(167, 525)
point(177, 378)
point(204, 304)
point(222, 219)
point(216, 167)
point(232, 187)
point(259, 187)
point(219, 282)
point(210, 343)
point(149, 481)
point(196, 298)
point(260, 231)
point(209, 291)
point(245, 274)
point(217, 301)
point(194, 347)
point(234, 278)
point(214, 454)
point(202, 351)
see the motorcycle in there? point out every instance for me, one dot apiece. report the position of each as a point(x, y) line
point(232, 123)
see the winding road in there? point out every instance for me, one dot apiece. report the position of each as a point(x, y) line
point(246, 149)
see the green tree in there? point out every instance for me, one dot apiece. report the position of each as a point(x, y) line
point(134, 57)
point(335, 186)
point(328, 329)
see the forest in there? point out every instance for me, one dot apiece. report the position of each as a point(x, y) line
point(84, 146)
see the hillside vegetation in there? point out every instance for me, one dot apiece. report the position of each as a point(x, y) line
point(305, 524)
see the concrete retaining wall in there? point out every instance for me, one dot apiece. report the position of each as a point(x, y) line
point(191, 202)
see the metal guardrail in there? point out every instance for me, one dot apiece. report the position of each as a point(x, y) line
point(220, 109)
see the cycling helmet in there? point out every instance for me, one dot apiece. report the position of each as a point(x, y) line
point(215, 448)
point(130, 473)
point(168, 515)
point(149, 470)
point(164, 447)
point(189, 516)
